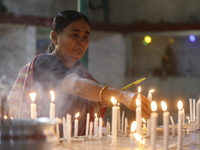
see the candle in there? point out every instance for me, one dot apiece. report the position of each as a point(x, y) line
point(58, 129)
point(122, 122)
point(100, 127)
point(173, 126)
point(194, 110)
point(91, 128)
point(154, 117)
point(69, 127)
point(87, 124)
point(76, 124)
point(114, 122)
point(191, 111)
point(138, 117)
point(118, 118)
point(108, 126)
point(64, 128)
point(198, 114)
point(126, 126)
point(33, 106)
point(52, 106)
point(180, 125)
point(96, 121)
point(131, 135)
point(188, 118)
point(165, 125)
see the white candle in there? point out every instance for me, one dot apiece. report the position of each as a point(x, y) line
point(126, 126)
point(96, 121)
point(198, 114)
point(149, 97)
point(118, 118)
point(108, 126)
point(180, 125)
point(100, 127)
point(138, 117)
point(191, 111)
point(194, 110)
point(122, 122)
point(64, 128)
point(87, 124)
point(154, 117)
point(131, 135)
point(173, 126)
point(91, 128)
point(58, 129)
point(165, 126)
point(76, 125)
point(69, 127)
point(52, 106)
point(114, 122)
point(33, 106)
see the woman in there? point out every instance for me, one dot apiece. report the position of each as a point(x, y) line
point(61, 71)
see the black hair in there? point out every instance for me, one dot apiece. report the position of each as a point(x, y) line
point(62, 20)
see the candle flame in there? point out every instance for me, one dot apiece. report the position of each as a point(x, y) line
point(137, 137)
point(143, 120)
point(133, 126)
point(95, 115)
point(188, 118)
point(5, 117)
point(152, 90)
point(153, 106)
point(137, 102)
point(77, 115)
point(164, 106)
point(180, 105)
point(118, 104)
point(32, 95)
point(139, 89)
point(113, 100)
point(52, 96)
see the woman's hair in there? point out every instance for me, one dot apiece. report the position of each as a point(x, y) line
point(62, 20)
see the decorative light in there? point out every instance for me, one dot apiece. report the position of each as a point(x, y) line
point(192, 38)
point(147, 39)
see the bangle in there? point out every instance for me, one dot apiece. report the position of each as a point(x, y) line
point(101, 91)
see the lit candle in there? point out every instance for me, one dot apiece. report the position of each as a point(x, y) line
point(87, 124)
point(180, 125)
point(52, 106)
point(114, 122)
point(76, 125)
point(122, 122)
point(96, 121)
point(188, 118)
point(194, 110)
point(91, 128)
point(69, 127)
point(154, 117)
point(33, 106)
point(131, 135)
point(138, 117)
point(165, 125)
point(149, 97)
point(191, 111)
point(100, 127)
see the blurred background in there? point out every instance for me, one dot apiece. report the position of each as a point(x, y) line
point(130, 39)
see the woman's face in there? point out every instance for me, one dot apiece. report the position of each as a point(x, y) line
point(73, 41)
